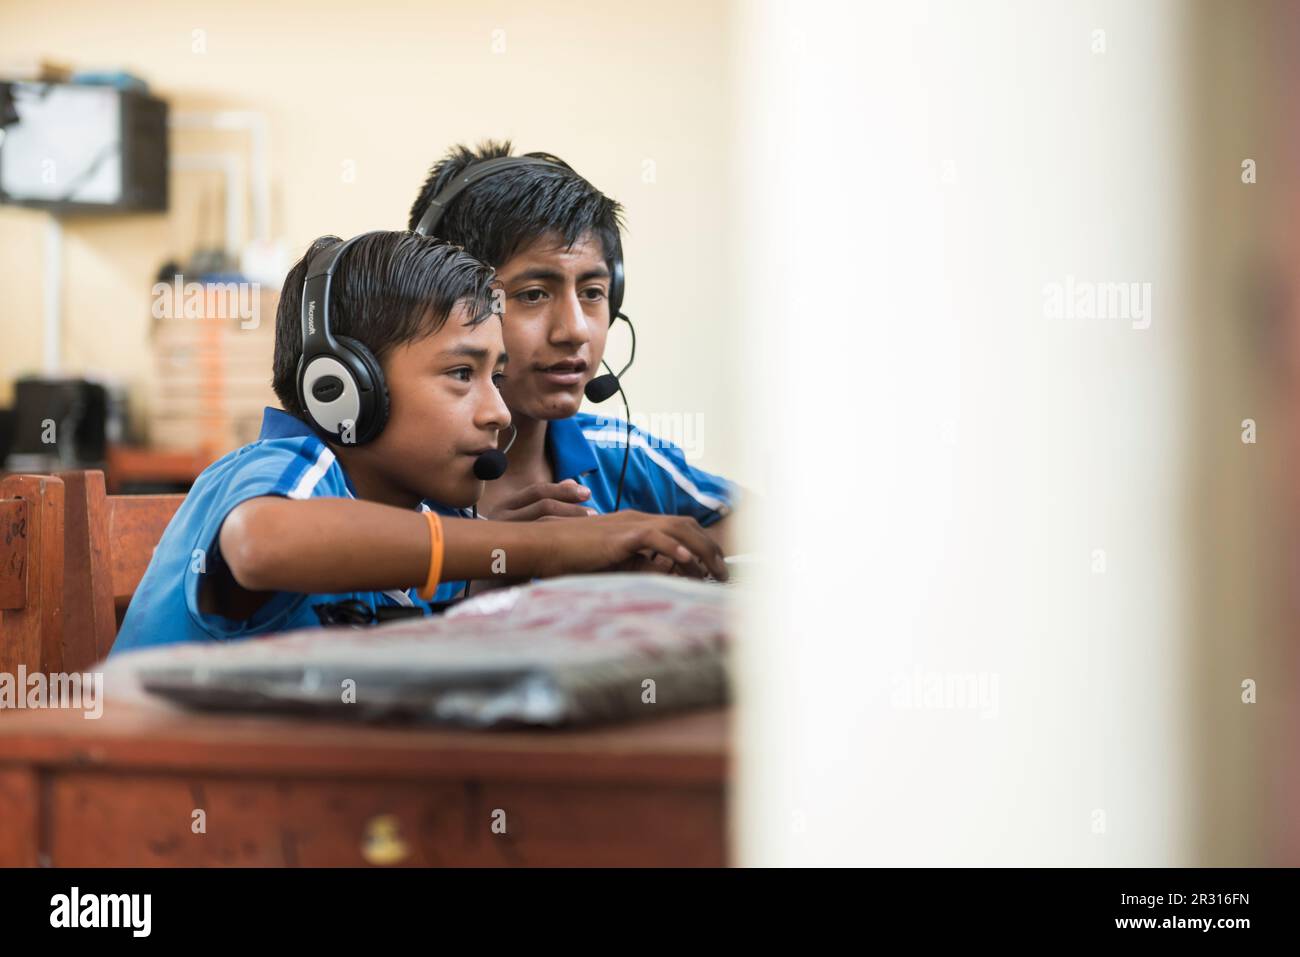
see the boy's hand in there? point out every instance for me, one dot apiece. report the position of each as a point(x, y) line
point(544, 500)
point(602, 542)
point(649, 562)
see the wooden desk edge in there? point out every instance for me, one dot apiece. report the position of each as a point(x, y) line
point(685, 749)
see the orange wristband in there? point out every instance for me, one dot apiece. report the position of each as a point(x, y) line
point(435, 556)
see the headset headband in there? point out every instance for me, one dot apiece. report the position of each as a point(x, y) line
point(471, 175)
point(316, 334)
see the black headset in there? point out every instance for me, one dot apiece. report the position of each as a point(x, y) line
point(603, 386)
point(341, 387)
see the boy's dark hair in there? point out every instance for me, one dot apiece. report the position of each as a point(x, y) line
point(499, 216)
point(388, 289)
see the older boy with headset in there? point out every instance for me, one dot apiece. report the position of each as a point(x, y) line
point(554, 241)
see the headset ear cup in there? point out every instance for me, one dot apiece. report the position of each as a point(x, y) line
point(374, 415)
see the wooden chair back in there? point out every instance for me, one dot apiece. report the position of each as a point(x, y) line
point(31, 573)
point(109, 542)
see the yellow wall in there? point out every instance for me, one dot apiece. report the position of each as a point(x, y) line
point(387, 86)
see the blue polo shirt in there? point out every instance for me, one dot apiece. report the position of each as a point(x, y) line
point(287, 459)
point(589, 449)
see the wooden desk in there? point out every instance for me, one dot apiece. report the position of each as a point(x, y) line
point(122, 791)
point(132, 465)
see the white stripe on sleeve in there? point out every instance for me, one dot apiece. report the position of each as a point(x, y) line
point(684, 483)
point(314, 474)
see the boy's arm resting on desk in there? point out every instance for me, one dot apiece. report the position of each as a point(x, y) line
point(331, 545)
point(272, 544)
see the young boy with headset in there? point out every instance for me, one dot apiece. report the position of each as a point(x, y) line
point(553, 239)
point(349, 507)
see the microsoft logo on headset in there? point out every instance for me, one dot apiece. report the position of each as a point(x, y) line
point(311, 317)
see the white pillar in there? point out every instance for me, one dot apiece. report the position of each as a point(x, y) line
point(970, 647)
